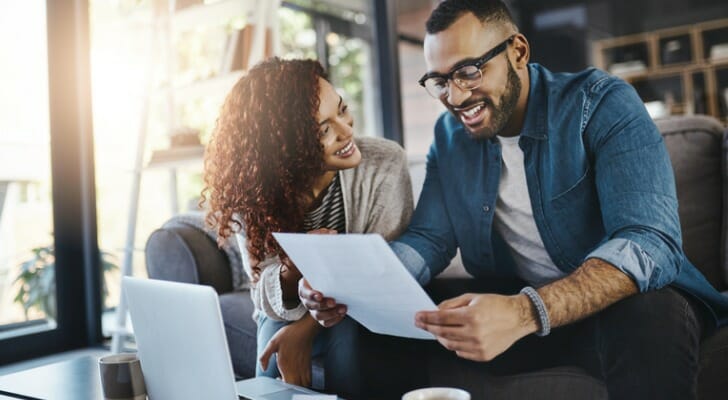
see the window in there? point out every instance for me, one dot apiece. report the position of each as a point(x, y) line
point(27, 283)
point(48, 287)
point(341, 39)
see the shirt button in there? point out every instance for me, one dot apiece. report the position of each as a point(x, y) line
point(486, 208)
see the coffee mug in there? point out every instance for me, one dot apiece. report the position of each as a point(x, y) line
point(437, 393)
point(121, 377)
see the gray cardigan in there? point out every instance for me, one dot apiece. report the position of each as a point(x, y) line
point(377, 199)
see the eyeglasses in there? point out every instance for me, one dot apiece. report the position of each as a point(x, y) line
point(467, 75)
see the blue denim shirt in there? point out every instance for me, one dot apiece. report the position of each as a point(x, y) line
point(600, 182)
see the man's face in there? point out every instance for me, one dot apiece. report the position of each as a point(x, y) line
point(487, 109)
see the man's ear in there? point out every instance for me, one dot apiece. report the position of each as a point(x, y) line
point(522, 51)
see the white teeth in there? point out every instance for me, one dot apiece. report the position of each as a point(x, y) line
point(473, 111)
point(345, 149)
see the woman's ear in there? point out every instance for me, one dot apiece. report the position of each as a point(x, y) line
point(522, 51)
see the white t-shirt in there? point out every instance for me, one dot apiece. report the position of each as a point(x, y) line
point(514, 219)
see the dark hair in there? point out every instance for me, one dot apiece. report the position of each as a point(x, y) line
point(264, 154)
point(450, 10)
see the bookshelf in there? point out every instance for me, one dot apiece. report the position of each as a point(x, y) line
point(684, 69)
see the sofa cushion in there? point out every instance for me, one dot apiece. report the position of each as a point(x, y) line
point(694, 144)
point(241, 331)
point(176, 252)
point(712, 382)
point(196, 219)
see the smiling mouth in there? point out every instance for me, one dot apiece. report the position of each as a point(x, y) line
point(473, 114)
point(346, 151)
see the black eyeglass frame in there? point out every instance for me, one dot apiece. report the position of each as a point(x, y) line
point(478, 63)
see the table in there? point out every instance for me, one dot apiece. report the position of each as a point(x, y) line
point(67, 380)
point(76, 379)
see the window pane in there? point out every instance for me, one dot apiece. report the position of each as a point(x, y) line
point(297, 35)
point(27, 276)
point(340, 36)
point(350, 71)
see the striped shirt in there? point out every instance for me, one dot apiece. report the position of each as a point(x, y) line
point(330, 214)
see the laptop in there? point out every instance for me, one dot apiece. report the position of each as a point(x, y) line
point(182, 345)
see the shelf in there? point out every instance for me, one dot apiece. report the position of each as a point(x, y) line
point(176, 157)
point(677, 68)
point(715, 42)
point(719, 62)
point(675, 50)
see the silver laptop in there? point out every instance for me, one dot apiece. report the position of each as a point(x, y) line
point(182, 345)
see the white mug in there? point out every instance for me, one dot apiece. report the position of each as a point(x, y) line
point(437, 393)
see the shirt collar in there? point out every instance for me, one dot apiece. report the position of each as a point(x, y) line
point(534, 125)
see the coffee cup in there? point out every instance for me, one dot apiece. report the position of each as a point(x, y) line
point(437, 393)
point(121, 377)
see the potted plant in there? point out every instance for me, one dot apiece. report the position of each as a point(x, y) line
point(37, 280)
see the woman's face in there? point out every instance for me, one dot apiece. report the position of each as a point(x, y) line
point(335, 130)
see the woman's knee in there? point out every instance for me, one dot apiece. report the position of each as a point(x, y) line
point(267, 327)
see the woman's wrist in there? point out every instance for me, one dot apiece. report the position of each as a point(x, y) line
point(289, 277)
point(309, 325)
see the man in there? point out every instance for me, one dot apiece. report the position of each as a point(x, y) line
point(563, 181)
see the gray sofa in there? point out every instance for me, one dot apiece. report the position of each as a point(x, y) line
point(182, 251)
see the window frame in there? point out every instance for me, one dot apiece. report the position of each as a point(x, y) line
point(77, 260)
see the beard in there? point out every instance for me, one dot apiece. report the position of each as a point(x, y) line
point(501, 114)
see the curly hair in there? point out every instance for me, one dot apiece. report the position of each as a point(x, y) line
point(264, 154)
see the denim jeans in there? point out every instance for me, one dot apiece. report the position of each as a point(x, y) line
point(338, 345)
point(643, 347)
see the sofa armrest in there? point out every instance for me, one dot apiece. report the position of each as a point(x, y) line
point(183, 253)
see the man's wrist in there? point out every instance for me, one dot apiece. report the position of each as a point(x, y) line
point(528, 315)
point(539, 306)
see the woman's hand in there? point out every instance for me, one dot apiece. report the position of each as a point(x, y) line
point(323, 309)
point(293, 345)
point(323, 231)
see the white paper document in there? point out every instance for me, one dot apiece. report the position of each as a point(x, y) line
point(361, 271)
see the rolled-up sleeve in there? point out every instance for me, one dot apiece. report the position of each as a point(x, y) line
point(413, 261)
point(636, 188)
point(628, 257)
point(428, 245)
point(268, 296)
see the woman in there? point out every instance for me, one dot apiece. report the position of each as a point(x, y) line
point(283, 158)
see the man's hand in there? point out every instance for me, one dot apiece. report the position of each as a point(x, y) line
point(479, 327)
point(323, 309)
point(293, 344)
